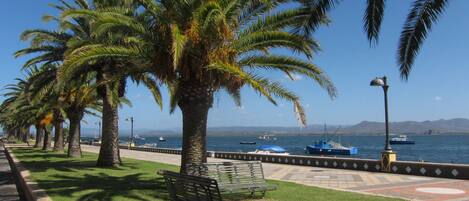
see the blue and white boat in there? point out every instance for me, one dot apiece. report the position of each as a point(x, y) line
point(401, 139)
point(330, 148)
point(270, 150)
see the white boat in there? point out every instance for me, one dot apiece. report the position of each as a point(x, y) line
point(150, 145)
point(161, 139)
point(139, 138)
point(270, 150)
point(267, 137)
point(401, 139)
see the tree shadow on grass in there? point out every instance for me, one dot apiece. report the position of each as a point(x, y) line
point(106, 187)
point(40, 161)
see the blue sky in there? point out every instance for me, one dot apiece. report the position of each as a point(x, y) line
point(437, 87)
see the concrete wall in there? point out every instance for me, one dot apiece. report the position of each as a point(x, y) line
point(444, 170)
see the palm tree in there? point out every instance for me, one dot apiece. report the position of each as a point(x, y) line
point(420, 20)
point(111, 75)
point(18, 112)
point(52, 46)
point(76, 99)
point(201, 47)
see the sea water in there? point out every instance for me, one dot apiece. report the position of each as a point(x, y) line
point(430, 148)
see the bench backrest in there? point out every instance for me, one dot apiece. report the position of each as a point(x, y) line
point(244, 173)
point(183, 187)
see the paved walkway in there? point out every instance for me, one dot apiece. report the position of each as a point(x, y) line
point(8, 190)
point(408, 187)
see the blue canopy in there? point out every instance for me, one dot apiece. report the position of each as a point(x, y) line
point(272, 148)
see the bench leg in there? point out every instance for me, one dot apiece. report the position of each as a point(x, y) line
point(252, 193)
point(263, 194)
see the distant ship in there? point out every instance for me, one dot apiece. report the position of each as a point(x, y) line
point(270, 150)
point(330, 147)
point(245, 142)
point(401, 139)
point(161, 139)
point(267, 137)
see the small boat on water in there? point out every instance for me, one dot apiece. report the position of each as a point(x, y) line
point(161, 139)
point(270, 150)
point(401, 139)
point(267, 137)
point(330, 148)
point(137, 137)
point(245, 142)
point(149, 145)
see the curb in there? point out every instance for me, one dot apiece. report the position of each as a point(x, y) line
point(30, 189)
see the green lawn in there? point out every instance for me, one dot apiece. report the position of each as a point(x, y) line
point(78, 179)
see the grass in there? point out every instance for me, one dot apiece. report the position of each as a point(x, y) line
point(78, 179)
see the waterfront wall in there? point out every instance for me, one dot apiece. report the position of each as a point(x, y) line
point(443, 170)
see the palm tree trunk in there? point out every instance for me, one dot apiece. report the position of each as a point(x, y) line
point(18, 134)
point(25, 134)
point(195, 100)
point(59, 135)
point(39, 136)
point(74, 149)
point(47, 139)
point(109, 151)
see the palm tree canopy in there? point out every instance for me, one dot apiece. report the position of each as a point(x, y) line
point(219, 44)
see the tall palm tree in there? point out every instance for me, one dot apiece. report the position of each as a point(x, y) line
point(76, 99)
point(111, 75)
point(201, 47)
point(52, 46)
point(419, 22)
point(18, 112)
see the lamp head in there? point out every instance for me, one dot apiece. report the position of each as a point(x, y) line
point(378, 82)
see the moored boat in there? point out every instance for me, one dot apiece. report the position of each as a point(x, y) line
point(150, 145)
point(161, 139)
point(330, 148)
point(245, 142)
point(401, 139)
point(270, 150)
point(137, 137)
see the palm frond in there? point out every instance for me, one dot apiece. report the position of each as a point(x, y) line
point(422, 16)
point(372, 19)
point(256, 82)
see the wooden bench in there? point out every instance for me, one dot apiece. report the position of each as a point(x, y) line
point(183, 187)
point(234, 177)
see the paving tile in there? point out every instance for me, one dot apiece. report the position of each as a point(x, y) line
point(371, 182)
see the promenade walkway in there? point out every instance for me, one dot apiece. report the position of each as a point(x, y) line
point(8, 190)
point(404, 186)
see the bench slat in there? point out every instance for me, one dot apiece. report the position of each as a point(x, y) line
point(234, 177)
point(188, 187)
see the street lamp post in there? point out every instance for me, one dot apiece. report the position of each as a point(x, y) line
point(131, 119)
point(387, 155)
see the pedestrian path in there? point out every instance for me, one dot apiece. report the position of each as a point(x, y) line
point(8, 191)
point(404, 186)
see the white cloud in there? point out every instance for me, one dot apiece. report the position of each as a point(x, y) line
point(438, 98)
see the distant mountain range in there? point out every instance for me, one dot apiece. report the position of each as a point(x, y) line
point(458, 125)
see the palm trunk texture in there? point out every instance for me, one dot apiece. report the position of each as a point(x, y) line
point(195, 100)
